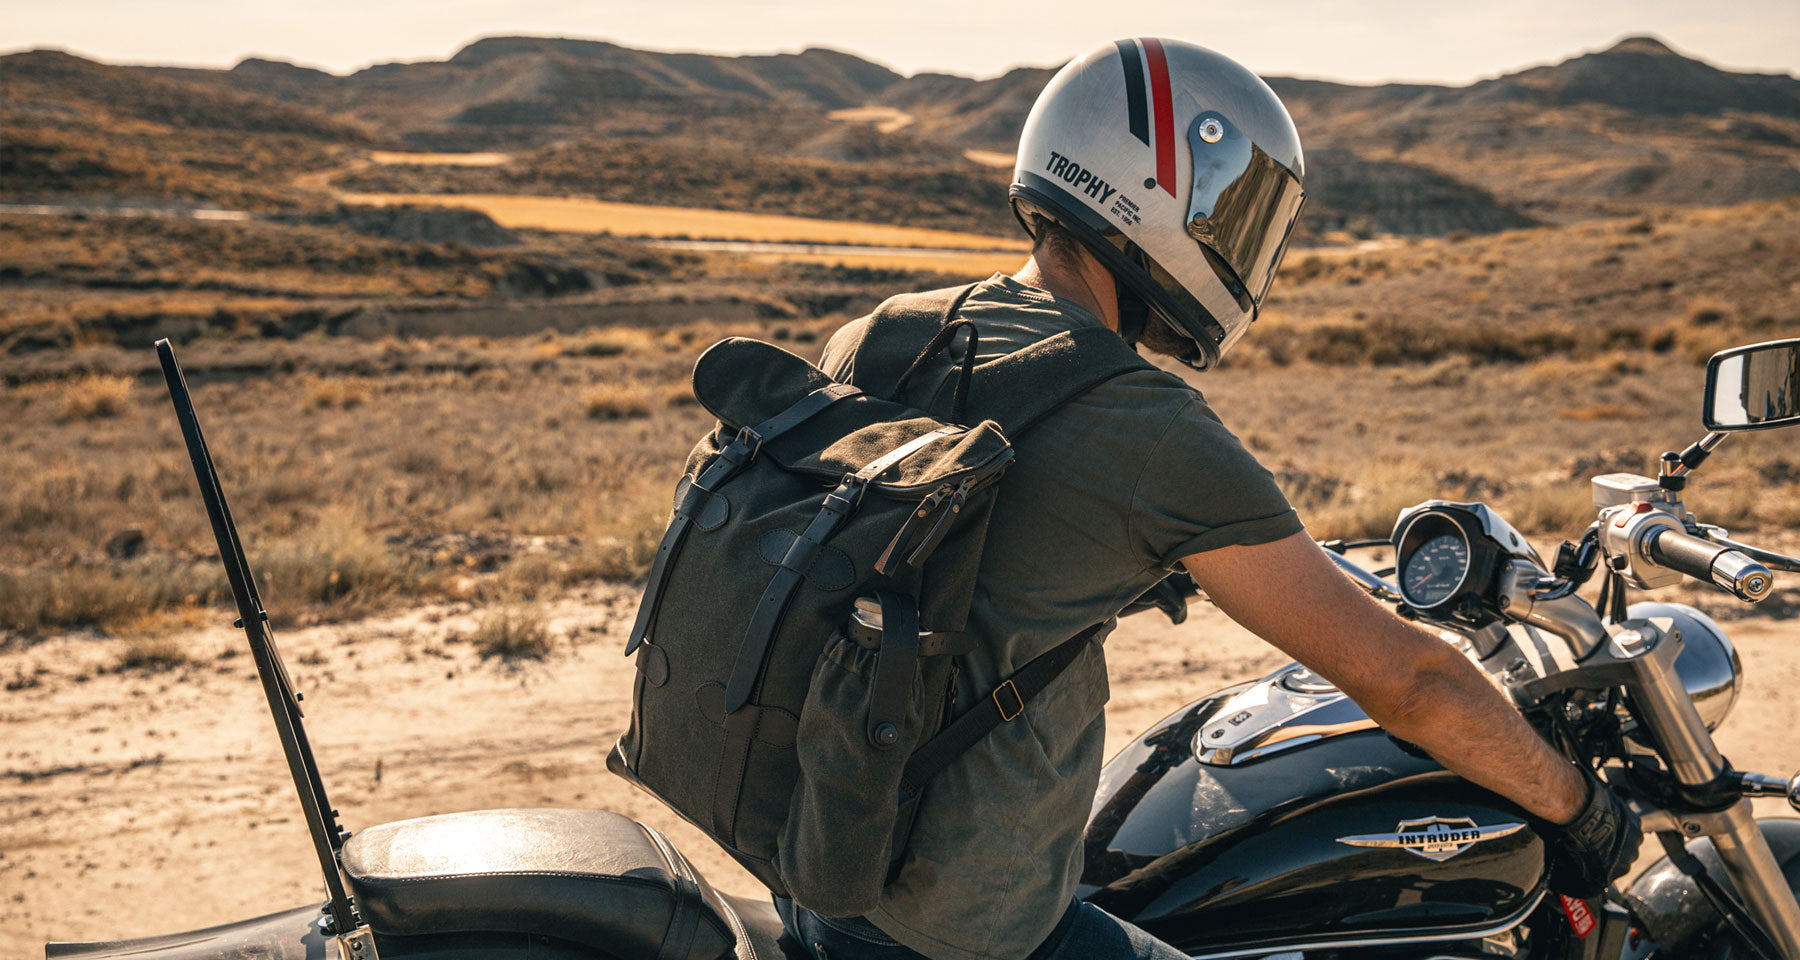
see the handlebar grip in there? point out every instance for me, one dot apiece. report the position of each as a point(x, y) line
point(1701, 559)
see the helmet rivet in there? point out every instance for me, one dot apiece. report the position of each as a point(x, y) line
point(1211, 130)
point(1149, 183)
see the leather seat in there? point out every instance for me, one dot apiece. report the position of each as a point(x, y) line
point(588, 876)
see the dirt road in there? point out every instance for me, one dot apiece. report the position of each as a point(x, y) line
point(134, 803)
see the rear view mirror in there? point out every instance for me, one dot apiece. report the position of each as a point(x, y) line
point(1753, 387)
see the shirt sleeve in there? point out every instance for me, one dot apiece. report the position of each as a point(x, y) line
point(1201, 490)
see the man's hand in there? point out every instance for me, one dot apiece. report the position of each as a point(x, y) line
point(1595, 848)
point(1413, 684)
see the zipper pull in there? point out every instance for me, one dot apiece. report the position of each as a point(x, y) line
point(942, 527)
point(885, 564)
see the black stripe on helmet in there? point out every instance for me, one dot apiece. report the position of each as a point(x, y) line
point(1134, 90)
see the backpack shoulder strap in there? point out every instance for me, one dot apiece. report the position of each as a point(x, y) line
point(897, 330)
point(1017, 390)
point(1004, 705)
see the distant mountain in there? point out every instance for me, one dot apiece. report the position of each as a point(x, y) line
point(1603, 132)
point(54, 83)
point(1636, 123)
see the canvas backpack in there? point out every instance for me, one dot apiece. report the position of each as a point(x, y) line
point(798, 640)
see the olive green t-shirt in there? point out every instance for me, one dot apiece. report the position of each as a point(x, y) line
point(1105, 496)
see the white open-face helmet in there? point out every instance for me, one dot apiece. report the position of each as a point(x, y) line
point(1179, 170)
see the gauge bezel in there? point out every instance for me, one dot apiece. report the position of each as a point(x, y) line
point(1425, 525)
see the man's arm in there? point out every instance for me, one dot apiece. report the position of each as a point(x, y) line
point(1413, 684)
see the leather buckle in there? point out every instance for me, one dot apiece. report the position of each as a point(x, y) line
point(750, 439)
point(1005, 716)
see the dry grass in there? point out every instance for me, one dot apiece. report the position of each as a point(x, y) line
point(387, 157)
point(559, 452)
point(514, 631)
point(618, 401)
point(152, 652)
point(1600, 411)
point(602, 343)
point(643, 220)
point(343, 393)
point(336, 568)
point(95, 396)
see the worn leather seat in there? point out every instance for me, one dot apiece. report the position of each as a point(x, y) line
point(589, 876)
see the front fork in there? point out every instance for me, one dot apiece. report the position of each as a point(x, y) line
point(1644, 652)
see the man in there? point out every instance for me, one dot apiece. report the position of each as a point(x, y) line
point(1159, 182)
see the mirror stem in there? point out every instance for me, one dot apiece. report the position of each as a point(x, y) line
point(1696, 454)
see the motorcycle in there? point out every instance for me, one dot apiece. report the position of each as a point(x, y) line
point(1271, 819)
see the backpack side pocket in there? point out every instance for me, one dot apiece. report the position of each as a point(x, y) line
point(835, 848)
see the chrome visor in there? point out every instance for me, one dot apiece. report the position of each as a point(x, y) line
point(1243, 204)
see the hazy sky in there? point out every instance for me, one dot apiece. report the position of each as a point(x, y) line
point(1368, 41)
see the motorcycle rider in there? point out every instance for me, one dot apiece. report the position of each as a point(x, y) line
point(1159, 182)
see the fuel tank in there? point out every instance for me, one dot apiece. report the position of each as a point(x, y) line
point(1275, 814)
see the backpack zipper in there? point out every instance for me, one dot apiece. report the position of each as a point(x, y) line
point(885, 564)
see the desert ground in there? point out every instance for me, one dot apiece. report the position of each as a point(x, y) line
point(438, 319)
point(150, 801)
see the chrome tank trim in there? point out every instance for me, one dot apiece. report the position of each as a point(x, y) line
point(1277, 950)
point(1285, 709)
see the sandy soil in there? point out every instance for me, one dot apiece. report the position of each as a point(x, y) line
point(136, 802)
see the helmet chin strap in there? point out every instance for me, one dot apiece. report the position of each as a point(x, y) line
point(1133, 312)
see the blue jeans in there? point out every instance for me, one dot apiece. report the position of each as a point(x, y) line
point(1085, 932)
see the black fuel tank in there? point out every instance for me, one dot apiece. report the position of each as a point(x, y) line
point(1305, 825)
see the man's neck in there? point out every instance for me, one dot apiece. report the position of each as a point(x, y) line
point(1080, 279)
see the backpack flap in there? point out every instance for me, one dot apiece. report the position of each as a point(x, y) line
point(744, 382)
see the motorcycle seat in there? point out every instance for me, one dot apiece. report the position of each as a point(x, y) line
point(589, 876)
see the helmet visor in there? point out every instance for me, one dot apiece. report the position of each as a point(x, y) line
point(1243, 204)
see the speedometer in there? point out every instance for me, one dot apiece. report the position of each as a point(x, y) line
point(1444, 560)
point(1434, 571)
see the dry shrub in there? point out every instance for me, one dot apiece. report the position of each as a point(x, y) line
point(337, 564)
point(1562, 509)
point(34, 601)
point(609, 344)
point(617, 401)
point(343, 393)
point(680, 394)
point(530, 575)
point(152, 652)
point(1599, 411)
point(95, 395)
point(1704, 311)
point(511, 632)
point(1362, 506)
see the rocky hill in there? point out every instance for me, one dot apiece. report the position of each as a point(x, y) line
point(1603, 133)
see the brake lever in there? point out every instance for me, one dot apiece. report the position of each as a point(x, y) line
point(1768, 558)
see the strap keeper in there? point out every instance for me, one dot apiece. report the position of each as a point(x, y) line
point(1008, 716)
point(845, 498)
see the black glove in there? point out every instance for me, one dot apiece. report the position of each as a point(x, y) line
point(1596, 847)
point(1170, 595)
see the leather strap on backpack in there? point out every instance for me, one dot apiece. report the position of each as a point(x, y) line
point(698, 496)
point(1003, 705)
point(891, 692)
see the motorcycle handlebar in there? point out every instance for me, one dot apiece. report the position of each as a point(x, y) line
point(1701, 559)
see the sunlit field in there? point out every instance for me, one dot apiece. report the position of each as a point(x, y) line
point(641, 220)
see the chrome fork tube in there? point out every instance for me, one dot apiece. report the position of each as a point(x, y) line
point(1669, 716)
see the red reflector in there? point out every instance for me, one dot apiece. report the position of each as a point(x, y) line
point(1581, 919)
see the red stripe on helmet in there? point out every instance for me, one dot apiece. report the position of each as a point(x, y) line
point(1164, 110)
